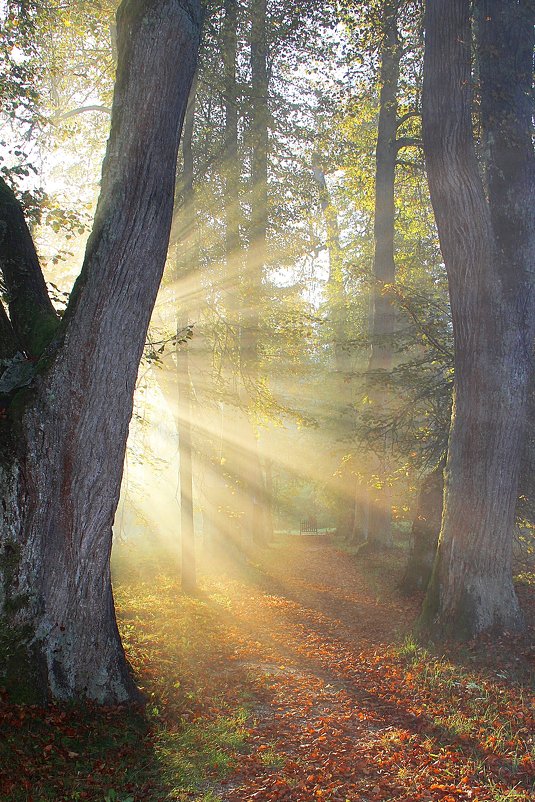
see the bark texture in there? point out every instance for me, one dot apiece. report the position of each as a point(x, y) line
point(487, 238)
point(60, 511)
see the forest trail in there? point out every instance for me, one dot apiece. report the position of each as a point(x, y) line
point(344, 710)
point(290, 676)
point(311, 631)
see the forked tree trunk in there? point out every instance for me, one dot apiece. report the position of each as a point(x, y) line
point(488, 244)
point(61, 488)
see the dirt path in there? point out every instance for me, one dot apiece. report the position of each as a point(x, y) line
point(341, 713)
point(308, 647)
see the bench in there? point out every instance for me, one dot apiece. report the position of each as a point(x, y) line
point(309, 526)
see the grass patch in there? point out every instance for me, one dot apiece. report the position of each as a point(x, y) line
point(200, 749)
point(271, 758)
point(478, 711)
point(187, 738)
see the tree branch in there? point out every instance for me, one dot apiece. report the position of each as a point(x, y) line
point(80, 110)
point(408, 142)
point(33, 317)
point(406, 117)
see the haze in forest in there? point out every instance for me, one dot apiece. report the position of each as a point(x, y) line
point(345, 259)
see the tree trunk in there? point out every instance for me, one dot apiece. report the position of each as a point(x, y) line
point(488, 245)
point(343, 413)
point(61, 488)
point(379, 501)
point(187, 527)
point(425, 531)
point(243, 279)
point(251, 474)
point(229, 462)
point(268, 505)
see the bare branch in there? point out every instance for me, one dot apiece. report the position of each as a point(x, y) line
point(80, 110)
point(408, 142)
point(409, 115)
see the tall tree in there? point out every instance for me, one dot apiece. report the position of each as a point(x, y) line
point(378, 516)
point(486, 227)
point(188, 268)
point(65, 435)
point(252, 287)
point(337, 312)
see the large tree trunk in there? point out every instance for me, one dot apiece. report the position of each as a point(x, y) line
point(488, 243)
point(61, 488)
point(379, 514)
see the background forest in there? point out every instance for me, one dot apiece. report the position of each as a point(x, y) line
point(271, 262)
point(320, 358)
point(295, 393)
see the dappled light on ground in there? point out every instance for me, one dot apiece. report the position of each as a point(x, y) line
point(289, 676)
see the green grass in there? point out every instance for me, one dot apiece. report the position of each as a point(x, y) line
point(187, 738)
point(200, 749)
point(483, 709)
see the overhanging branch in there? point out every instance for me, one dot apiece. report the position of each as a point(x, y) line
point(80, 110)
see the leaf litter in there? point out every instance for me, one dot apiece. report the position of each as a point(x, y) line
point(291, 676)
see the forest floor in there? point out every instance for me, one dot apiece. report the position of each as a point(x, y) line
point(291, 676)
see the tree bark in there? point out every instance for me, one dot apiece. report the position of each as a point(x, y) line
point(488, 245)
point(61, 490)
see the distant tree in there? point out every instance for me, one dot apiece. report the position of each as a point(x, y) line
point(386, 39)
point(67, 385)
point(377, 523)
point(424, 532)
point(188, 268)
point(486, 225)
